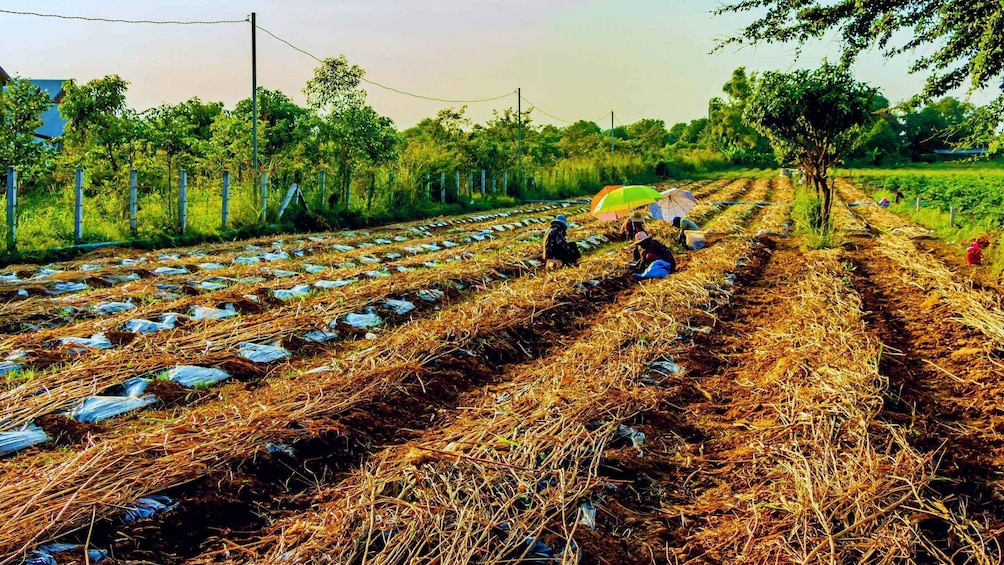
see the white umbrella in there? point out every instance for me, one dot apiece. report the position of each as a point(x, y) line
point(675, 204)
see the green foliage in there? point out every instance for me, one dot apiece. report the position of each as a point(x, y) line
point(21, 107)
point(812, 118)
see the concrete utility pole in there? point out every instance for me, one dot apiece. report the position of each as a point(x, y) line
point(611, 132)
point(519, 137)
point(254, 94)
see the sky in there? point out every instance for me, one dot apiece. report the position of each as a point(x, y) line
point(576, 59)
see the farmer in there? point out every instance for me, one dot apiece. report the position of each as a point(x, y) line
point(632, 225)
point(653, 250)
point(558, 252)
point(974, 254)
point(695, 241)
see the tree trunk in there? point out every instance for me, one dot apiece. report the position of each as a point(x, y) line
point(827, 204)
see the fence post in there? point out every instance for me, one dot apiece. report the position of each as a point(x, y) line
point(428, 186)
point(918, 203)
point(132, 202)
point(442, 187)
point(390, 187)
point(78, 208)
point(951, 216)
point(495, 182)
point(320, 204)
point(505, 182)
point(11, 211)
point(470, 184)
point(264, 196)
point(482, 182)
point(183, 201)
point(226, 200)
point(456, 181)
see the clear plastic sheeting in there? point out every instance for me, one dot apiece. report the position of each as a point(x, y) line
point(208, 286)
point(96, 341)
point(139, 326)
point(45, 554)
point(319, 336)
point(17, 440)
point(392, 256)
point(298, 291)
point(169, 256)
point(382, 241)
point(328, 285)
point(376, 274)
point(98, 408)
point(64, 287)
point(211, 266)
point(363, 321)
point(147, 507)
point(431, 294)
point(9, 278)
point(246, 260)
point(260, 353)
point(342, 248)
point(313, 269)
point(165, 271)
point(282, 274)
point(448, 244)
point(368, 260)
point(400, 307)
point(191, 376)
point(400, 238)
point(206, 313)
point(108, 308)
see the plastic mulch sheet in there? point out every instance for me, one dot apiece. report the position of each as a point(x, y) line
point(205, 313)
point(45, 554)
point(335, 284)
point(313, 269)
point(400, 307)
point(25, 437)
point(147, 507)
point(98, 408)
point(298, 291)
point(96, 341)
point(431, 294)
point(113, 307)
point(260, 353)
point(192, 376)
point(167, 322)
point(164, 271)
point(363, 321)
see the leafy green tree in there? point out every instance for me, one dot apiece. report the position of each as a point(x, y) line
point(813, 118)
point(729, 133)
point(21, 107)
point(101, 133)
point(648, 136)
point(962, 40)
point(583, 139)
point(354, 133)
point(938, 125)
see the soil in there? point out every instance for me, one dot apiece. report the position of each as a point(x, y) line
point(66, 431)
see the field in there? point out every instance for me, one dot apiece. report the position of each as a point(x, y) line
point(428, 393)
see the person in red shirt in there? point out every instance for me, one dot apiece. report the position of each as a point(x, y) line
point(974, 254)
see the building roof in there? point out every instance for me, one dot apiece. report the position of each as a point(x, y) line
point(52, 122)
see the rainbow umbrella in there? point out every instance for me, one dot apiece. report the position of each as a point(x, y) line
point(609, 216)
point(622, 200)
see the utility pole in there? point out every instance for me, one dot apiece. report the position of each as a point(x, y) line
point(254, 95)
point(519, 138)
point(611, 132)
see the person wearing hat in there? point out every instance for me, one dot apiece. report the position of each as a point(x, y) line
point(632, 225)
point(558, 252)
point(692, 240)
point(652, 251)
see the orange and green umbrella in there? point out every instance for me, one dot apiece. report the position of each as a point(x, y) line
point(622, 200)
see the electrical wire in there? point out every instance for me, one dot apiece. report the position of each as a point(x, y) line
point(120, 21)
point(390, 88)
point(542, 111)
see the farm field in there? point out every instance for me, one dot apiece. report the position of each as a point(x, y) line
point(428, 393)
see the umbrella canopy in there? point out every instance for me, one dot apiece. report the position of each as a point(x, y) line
point(609, 216)
point(621, 201)
point(674, 204)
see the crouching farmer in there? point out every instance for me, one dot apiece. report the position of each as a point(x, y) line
point(558, 251)
point(657, 258)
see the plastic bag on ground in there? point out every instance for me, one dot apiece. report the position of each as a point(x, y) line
point(43, 554)
point(260, 353)
point(96, 341)
point(400, 307)
point(147, 507)
point(27, 436)
point(113, 307)
point(164, 271)
point(205, 313)
point(363, 321)
point(298, 291)
point(139, 326)
point(431, 294)
point(192, 376)
point(327, 285)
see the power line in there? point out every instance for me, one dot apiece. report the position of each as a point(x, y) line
point(119, 21)
point(385, 87)
point(532, 105)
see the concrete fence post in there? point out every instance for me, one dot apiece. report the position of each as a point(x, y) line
point(264, 196)
point(11, 209)
point(951, 216)
point(442, 187)
point(495, 182)
point(183, 201)
point(320, 193)
point(226, 200)
point(132, 203)
point(505, 182)
point(918, 204)
point(78, 208)
point(456, 183)
point(470, 184)
point(428, 186)
point(482, 182)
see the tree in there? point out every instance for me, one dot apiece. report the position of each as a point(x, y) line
point(729, 133)
point(101, 132)
point(813, 118)
point(354, 133)
point(21, 107)
point(964, 39)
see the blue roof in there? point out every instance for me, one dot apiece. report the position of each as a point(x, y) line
point(53, 123)
point(52, 87)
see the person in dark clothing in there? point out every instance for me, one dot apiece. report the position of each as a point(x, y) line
point(556, 247)
point(654, 250)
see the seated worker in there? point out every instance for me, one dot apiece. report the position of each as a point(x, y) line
point(974, 254)
point(654, 250)
point(556, 247)
point(695, 241)
point(632, 225)
point(657, 269)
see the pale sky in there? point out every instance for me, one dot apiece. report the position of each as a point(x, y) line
point(577, 59)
